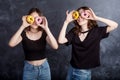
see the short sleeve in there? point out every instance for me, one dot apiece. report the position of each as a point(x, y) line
point(103, 32)
point(69, 37)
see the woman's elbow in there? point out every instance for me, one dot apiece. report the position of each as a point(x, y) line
point(116, 25)
point(55, 47)
point(61, 41)
point(11, 45)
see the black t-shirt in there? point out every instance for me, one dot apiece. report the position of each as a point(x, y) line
point(85, 54)
point(34, 49)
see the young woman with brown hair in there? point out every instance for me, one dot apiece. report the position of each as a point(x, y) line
point(34, 38)
point(85, 39)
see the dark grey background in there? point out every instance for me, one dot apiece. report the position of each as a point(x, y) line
point(11, 59)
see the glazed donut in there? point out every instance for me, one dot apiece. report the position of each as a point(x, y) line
point(75, 15)
point(30, 19)
point(38, 20)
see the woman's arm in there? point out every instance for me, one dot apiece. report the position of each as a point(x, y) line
point(111, 24)
point(62, 39)
point(16, 38)
point(50, 38)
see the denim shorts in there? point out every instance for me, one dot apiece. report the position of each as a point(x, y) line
point(78, 74)
point(32, 72)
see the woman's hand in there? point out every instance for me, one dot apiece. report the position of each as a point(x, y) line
point(44, 23)
point(69, 17)
point(91, 14)
point(111, 24)
point(25, 23)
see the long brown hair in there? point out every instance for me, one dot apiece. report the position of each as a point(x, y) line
point(39, 13)
point(91, 23)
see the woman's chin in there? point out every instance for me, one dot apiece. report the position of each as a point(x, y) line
point(82, 23)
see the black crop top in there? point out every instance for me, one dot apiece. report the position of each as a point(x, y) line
point(34, 50)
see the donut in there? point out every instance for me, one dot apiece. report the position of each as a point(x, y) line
point(85, 14)
point(75, 15)
point(30, 19)
point(38, 20)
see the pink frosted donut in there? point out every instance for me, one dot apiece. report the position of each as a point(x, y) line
point(85, 14)
point(38, 20)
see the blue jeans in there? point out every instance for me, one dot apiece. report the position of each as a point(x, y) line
point(78, 74)
point(32, 72)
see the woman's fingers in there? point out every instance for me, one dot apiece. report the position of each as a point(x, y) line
point(67, 12)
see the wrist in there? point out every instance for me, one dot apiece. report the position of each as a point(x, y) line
point(22, 27)
point(66, 22)
point(46, 29)
point(97, 18)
